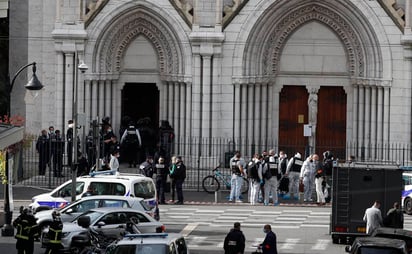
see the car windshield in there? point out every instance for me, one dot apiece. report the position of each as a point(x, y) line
point(377, 250)
point(144, 189)
point(94, 215)
point(141, 248)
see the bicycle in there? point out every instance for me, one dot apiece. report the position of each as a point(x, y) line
point(211, 183)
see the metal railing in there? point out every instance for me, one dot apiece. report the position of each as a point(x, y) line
point(201, 155)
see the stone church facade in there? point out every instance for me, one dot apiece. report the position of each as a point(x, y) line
point(265, 71)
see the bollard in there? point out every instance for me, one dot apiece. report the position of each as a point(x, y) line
point(217, 196)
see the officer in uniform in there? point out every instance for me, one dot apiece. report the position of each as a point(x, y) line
point(131, 143)
point(26, 231)
point(270, 173)
point(255, 177)
point(237, 164)
point(55, 234)
point(293, 172)
point(42, 147)
point(161, 172)
point(147, 167)
point(234, 241)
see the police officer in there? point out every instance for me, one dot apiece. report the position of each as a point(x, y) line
point(131, 143)
point(26, 231)
point(271, 172)
point(293, 172)
point(161, 172)
point(179, 176)
point(147, 167)
point(268, 246)
point(234, 241)
point(237, 164)
point(55, 234)
point(255, 178)
point(57, 146)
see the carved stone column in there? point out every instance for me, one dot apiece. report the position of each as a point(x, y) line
point(313, 115)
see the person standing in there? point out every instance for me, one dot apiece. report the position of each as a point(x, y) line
point(114, 162)
point(161, 172)
point(373, 217)
point(69, 147)
point(394, 217)
point(57, 147)
point(319, 180)
point(131, 143)
point(255, 178)
point(307, 175)
point(147, 168)
point(234, 242)
point(55, 234)
point(42, 148)
point(282, 178)
point(268, 246)
point(237, 164)
point(293, 172)
point(270, 174)
point(179, 176)
point(172, 169)
point(27, 230)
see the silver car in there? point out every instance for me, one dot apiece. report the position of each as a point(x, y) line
point(68, 213)
point(110, 221)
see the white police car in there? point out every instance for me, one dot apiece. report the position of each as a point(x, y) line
point(159, 243)
point(133, 185)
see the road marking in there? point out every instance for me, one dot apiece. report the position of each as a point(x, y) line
point(188, 229)
point(289, 244)
point(321, 244)
point(194, 241)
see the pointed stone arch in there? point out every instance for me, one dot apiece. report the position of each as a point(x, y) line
point(126, 27)
point(271, 32)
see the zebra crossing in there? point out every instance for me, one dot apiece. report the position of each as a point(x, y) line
point(249, 217)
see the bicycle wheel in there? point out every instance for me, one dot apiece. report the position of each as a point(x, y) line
point(210, 184)
point(245, 186)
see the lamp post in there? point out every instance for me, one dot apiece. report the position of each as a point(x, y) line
point(33, 85)
point(83, 68)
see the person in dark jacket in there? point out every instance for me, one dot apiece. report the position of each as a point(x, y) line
point(42, 147)
point(26, 231)
point(161, 172)
point(394, 217)
point(269, 244)
point(234, 241)
point(179, 176)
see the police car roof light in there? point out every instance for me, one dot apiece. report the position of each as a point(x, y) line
point(146, 235)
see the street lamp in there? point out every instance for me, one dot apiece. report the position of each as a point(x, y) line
point(33, 85)
point(83, 68)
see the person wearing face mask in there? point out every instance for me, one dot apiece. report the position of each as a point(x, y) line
point(254, 173)
point(268, 246)
point(237, 163)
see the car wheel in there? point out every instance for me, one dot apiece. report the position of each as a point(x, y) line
point(408, 206)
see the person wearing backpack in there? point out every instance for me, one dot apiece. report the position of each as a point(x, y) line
point(270, 172)
point(131, 143)
point(255, 178)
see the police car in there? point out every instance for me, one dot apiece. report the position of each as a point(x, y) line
point(103, 183)
point(159, 243)
point(407, 190)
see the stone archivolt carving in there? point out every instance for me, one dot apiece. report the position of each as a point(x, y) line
point(274, 45)
point(117, 38)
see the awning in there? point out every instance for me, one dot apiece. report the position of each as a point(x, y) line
point(10, 135)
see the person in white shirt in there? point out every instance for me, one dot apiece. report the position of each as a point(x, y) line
point(373, 217)
point(114, 162)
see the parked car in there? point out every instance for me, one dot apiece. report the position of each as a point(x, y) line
point(160, 243)
point(395, 233)
point(68, 213)
point(377, 245)
point(110, 221)
point(128, 185)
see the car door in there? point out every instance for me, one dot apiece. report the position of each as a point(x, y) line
point(111, 226)
point(144, 224)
